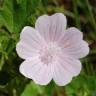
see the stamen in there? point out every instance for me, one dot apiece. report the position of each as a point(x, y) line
point(47, 54)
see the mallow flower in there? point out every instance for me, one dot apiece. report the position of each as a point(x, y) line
point(50, 51)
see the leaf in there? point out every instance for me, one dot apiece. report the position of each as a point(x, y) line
point(6, 15)
point(32, 90)
point(20, 18)
point(1, 62)
point(24, 8)
point(50, 88)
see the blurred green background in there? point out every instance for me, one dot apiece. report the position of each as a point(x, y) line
point(14, 15)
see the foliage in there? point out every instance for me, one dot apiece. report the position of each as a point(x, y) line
point(14, 15)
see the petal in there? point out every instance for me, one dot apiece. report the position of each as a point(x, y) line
point(34, 69)
point(30, 43)
point(72, 43)
point(25, 51)
point(70, 64)
point(66, 68)
point(71, 35)
point(61, 76)
point(78, 50)
point(51, 27)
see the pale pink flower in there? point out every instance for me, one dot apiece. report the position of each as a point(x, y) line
point(51, 51)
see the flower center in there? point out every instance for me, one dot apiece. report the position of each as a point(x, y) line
point(48, 53)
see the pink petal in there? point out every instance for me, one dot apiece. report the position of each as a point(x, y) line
point(72, 43)
point(34, 69)
point(71, 35)
point(30, 43)
point(70, 64)
point(78, 50)
point(65, 69)
point(51, 27)
point(25, 51)
point(61, 76)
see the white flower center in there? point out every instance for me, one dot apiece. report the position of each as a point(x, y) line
point(47, 54)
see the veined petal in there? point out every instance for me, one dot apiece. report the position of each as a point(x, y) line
point(79, 50)
point(34, 69)
point(70, 64)
point(60, 75)
point(30, 43)
point(25, 51)
point(66, 68)
point(71, 35)
point(73, 44)
point(51, 27)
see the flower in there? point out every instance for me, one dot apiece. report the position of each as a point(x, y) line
point(51, 51)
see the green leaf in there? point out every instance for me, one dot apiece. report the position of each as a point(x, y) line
point(32, 90)
point(20, 15)
point(1, 62)
point(24, 8)
point(6, 15)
